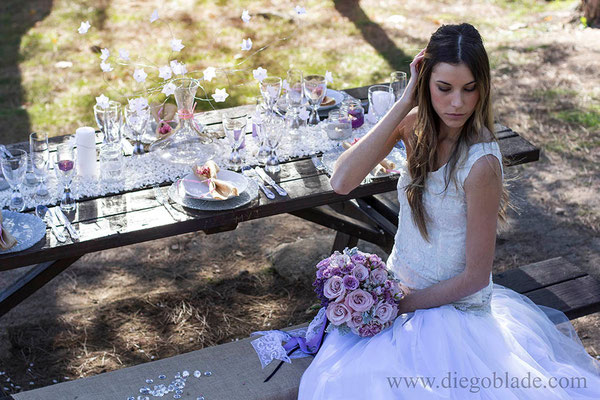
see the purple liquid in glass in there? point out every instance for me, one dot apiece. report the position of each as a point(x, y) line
point(358, 118)
point(66, 165)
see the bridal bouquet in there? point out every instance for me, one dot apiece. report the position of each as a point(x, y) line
point(359, 294)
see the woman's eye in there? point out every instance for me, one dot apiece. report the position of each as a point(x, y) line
point(443, 89)
point(470, 89)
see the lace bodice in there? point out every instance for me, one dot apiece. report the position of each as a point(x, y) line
point(418, 263)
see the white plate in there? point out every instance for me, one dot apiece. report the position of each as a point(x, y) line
point(194, 187)
point(334, 94)
point(28, 229)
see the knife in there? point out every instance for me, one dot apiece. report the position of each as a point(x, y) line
point(250, 174)
point(270, 181)
point(65, 221)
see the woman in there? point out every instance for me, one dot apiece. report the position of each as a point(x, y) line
point(459, 336)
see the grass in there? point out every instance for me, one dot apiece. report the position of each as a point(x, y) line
point(588, 117)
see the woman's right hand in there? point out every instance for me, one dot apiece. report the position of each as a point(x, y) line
point(411, 87)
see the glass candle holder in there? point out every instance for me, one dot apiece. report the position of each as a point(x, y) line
point(355, 112)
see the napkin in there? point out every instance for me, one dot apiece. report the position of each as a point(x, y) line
point(383, 167)
point(6, 239)
point(163, 114)
point(218, 188)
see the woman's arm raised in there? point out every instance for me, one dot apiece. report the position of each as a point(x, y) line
point(483, 189)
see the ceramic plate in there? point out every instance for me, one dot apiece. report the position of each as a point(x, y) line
point(194, 187)
point(28, 229)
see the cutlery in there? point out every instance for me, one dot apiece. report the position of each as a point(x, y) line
point(319, 164)
point(63, 218)
point(250, 174)
point(265, 177)
point(5, 151)
point(44, 214)
point(160, 197)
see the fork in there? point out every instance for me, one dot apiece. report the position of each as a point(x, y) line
point(250, 174)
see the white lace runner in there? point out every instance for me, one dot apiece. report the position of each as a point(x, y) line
point(148, 169)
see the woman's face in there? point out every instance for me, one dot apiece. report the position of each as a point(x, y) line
point(454, 93)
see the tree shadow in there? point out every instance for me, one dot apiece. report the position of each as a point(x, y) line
point(373, 34)
point(16, 18)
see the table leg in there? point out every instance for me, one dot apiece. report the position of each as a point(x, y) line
point(32, 281)
point(343, 240)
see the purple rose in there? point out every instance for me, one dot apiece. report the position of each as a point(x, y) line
point(371, 329)
point(355, 321)
point(359, 300)
point(324, 263)
point(327, 273)
point(336, 271)
point(385, 312)
point(346, 269)
point(379, 276)
point(358, 259)
point(334, 287)
point(350, 282)
point(360, 272)
point(320, 272)
point(337, 313)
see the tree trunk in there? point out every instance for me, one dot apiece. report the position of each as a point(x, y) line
point(591, 12)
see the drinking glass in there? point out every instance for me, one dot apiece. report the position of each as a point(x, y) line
point(136, 120)
point(274, 128)
point(258, 128)
point(315, 87)
point(381, 99)
point(111, 163)
point(398, 83)
point(65, 170)
point(235, 131)
point(295, 98)
point(270, 88)
point(39, 153)
point(14, 169)
point(110, 121)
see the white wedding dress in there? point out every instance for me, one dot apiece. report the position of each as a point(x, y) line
point(494, 344)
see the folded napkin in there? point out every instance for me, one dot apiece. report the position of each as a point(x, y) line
point(163, 114)
point(6, 239)
point(218, 188)
point(384, 165)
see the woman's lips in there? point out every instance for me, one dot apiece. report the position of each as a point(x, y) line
point(455, 116)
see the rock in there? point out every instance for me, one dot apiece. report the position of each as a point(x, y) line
point(296, 261)
point(559, 211)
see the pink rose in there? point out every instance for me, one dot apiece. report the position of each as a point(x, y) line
point(360, 272)
point(334, 287)
point(359, 300)
point(379, 276)
point(356, 320)
point(385, 312)
point(337, 313)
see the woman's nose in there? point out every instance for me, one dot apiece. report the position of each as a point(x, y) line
point(457, 100)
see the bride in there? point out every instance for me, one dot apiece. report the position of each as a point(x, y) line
point(460, 336)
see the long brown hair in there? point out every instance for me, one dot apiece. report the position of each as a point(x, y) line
point(452, 44)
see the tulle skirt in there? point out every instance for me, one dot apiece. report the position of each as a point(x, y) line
point(518, 351)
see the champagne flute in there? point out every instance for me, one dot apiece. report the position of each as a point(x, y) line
point(274, 128)
point(315, 87)
point(136, 118)
point(38, 150)
point(235, 131)
point(14, 168)
point(381, 99)
point(398, 83)
point(295, 98)
point(109, 121)
point(65, 170)
point(270, 88)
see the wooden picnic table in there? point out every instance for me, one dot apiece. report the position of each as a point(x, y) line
point(122, 219)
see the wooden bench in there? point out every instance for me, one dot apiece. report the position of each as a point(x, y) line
point(237, 374)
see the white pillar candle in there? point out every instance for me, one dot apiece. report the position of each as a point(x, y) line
point(85, 139)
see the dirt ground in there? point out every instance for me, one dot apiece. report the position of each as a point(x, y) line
point(127, 306)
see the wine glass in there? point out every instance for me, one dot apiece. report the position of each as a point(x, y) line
point(39, 153)
point(381, 99)
point(14, 168)
point(270, 88)
point(110, 121)
point(258, 128)
point(65, 170)
point(136, 118)
point(315, 87)
point(398, 83)
point(235, 131)
point(295, 98)
point(274, 128)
